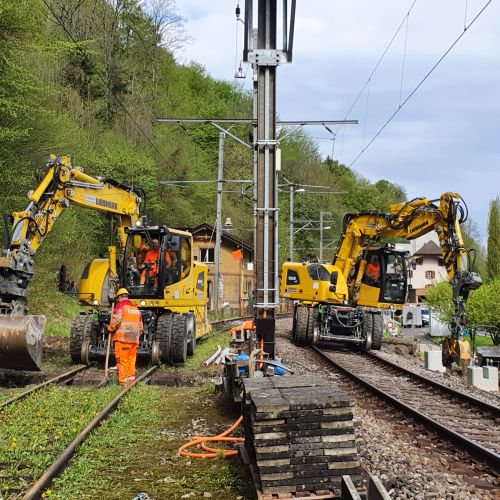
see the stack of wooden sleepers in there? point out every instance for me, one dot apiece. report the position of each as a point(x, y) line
point(299, 433)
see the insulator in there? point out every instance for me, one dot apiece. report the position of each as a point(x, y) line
point(238, 11)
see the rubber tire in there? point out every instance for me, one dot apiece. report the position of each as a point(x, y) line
point(378, 332)
point(77, 335)
point(179, 339)
point(302, 324)
point(162, 335)
point(312, 323)
point(92, 331)
point(191, 347)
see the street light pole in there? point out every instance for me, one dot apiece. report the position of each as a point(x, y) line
point(321, 229)
point(218, 222)
point(291, 222)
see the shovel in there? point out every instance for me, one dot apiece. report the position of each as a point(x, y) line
point(21, 342)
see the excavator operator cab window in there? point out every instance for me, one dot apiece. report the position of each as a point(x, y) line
point(372, 272)
point(153, 260)
point(395, 276)
point(142, 263)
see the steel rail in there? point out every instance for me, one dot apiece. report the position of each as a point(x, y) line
point(36, 489)
point(473, 448)
point(461, 395)
point(241, 318)
point(64, 377)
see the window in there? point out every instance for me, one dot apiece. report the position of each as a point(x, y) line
point(419, 261)
point(440, 261)
point(207, 255)
point(430, 275)
point(292, 278)
point(410, 273)
point(318, 272)
point(200, 281)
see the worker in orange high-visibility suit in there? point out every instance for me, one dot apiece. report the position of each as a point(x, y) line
point(126, 327)
point(372, 270)
point(151, 263)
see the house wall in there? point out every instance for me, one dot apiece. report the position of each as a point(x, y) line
point(237, 281)
point(418, 280)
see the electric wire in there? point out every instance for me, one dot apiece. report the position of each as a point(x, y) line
point(420, 83)
point(118, 100)
point(404, 60)
point(378, 63)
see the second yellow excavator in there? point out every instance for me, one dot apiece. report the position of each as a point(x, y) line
point(343, 301)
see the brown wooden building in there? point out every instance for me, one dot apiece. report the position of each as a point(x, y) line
point(237, 279)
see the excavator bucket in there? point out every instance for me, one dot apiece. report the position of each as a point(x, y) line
point(21, 342)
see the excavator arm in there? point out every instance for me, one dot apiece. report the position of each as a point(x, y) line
point(61, 185)
point(409, 221)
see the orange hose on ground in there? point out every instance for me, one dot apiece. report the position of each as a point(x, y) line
point(212, 452)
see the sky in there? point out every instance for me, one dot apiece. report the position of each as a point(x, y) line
point(445, 138)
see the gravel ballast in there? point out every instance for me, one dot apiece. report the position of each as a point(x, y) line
point(410, 461)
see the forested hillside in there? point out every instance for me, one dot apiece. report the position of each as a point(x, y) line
point(87, 78)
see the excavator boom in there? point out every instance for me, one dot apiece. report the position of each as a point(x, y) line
point(62, 184)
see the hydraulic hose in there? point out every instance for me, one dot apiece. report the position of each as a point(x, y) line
point(212, 452)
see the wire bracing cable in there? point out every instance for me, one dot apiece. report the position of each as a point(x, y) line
point(420, 83)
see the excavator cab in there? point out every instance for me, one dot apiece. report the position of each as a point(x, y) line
point(384, 277)
point(154, 258)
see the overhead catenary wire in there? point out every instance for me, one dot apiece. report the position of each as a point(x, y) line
point(97, 72)
point(420, 83)
point(378, 64)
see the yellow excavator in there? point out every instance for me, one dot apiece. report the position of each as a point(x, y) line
point(343, 302)
point(170, 289)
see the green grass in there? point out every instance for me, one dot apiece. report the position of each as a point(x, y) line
point(35, 430)
point(135, 450)
point(205, 348)
point(480, 340)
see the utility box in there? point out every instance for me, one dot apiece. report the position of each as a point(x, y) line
point(412, 316)
point(436, 328)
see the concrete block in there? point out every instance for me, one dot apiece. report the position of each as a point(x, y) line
point(485, 378)
point(490, 378)
point(433, 361)
point(475, 376)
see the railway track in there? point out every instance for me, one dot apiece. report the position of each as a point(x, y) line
point(36, 486)
point(462, 419)
point(63, 378)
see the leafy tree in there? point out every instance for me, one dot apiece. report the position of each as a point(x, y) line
point(483, 307)
point(472, 238)
point(439, 298)
point(493, 256)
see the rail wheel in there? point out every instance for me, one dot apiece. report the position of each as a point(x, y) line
point(77, 335)
point(163, 336)
point(85, 352)
point(155, 353)
point(179, 339)
point(294, 323)
point(378, 332)
point(191, 328)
